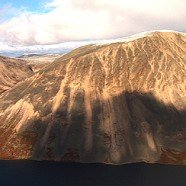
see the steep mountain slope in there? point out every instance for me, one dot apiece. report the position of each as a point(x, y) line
point(12, 71)
point(116, 103)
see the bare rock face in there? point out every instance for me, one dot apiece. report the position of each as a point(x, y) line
point(114, 103)
point(12, 71)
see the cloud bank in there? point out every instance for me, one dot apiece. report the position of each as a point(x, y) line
point(82, 20)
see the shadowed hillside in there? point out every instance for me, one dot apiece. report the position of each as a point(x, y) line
point(12, 71)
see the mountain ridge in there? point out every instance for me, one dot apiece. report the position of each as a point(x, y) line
point(115, 103)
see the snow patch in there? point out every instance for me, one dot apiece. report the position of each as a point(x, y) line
point(134, 37)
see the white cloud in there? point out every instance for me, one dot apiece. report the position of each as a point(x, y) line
point(76, 20)
point(17, 50)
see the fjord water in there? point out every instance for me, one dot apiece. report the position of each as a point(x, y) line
point(33, 173)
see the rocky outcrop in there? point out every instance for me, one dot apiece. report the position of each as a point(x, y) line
point(114, 103)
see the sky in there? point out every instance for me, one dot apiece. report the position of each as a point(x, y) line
point(57, 26)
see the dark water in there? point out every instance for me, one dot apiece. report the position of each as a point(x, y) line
point(30, 173)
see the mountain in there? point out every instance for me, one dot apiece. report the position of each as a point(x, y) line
point(116, 102)
point(12, 71)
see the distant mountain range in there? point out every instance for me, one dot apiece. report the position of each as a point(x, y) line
point(39, 61)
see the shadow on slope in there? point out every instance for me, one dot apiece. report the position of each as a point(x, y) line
point(130, 127)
